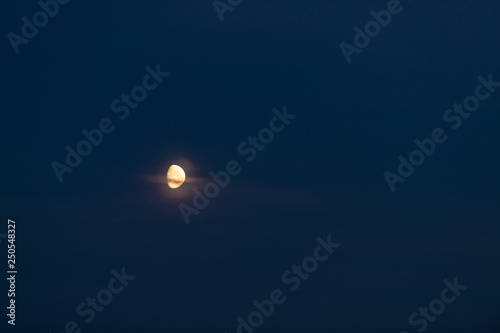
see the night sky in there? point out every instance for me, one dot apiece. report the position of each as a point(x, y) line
point(360, 193)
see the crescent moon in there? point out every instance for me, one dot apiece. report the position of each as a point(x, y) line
point(175, 176)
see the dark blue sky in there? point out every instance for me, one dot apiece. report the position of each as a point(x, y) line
point(322, 175)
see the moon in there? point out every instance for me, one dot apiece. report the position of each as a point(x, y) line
point(175, 176)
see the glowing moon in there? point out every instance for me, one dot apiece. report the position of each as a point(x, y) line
point(175, 176)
